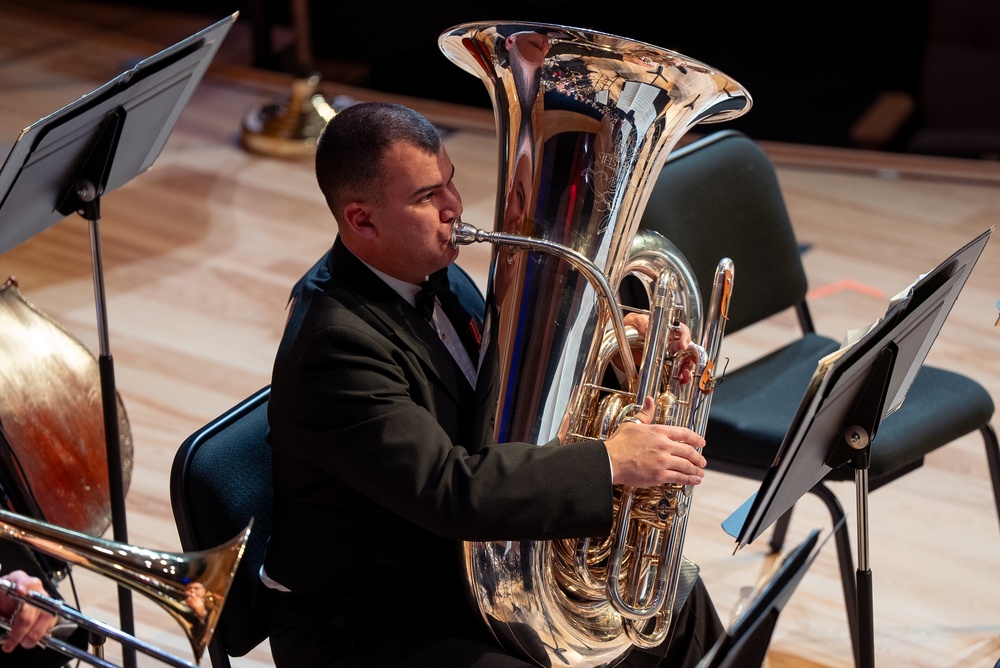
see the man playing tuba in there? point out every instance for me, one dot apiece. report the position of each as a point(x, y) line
point(377, 475)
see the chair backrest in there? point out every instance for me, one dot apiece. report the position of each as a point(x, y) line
point(719, 197)
point(220, 479)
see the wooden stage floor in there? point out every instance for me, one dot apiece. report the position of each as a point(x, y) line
point(199, 254)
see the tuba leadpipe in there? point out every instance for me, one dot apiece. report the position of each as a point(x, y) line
point(191, 586)
point(585, 121)
point(463, 234)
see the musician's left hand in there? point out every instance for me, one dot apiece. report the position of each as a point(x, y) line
point(679, 339)
point(28, 624)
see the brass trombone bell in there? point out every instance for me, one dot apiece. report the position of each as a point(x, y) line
point(191, 586)
point(288, 128)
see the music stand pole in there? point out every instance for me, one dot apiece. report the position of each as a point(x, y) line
point(84, 197)
point(866, 611)
point(861, 427)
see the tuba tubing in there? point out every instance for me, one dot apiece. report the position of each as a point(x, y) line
point(584, 122)
point(463, 234)
point(680, 498)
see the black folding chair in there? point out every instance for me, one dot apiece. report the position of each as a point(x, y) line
point(220, 479)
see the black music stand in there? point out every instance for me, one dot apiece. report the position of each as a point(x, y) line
point(849, 396)
point(748, 637)
point(65, 162)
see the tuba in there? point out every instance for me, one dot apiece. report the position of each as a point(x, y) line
point(585, 121)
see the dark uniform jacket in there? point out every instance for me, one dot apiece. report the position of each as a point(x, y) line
point(377, 477)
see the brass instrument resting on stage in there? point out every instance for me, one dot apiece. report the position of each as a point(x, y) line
point(585, 121)
point(191, 586)
point(290, 127)
point(53, 451)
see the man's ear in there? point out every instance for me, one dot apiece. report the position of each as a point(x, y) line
point(357, 217)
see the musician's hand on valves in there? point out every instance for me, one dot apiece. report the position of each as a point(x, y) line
point(679, 339)
point(28, 624)
point(644, 454)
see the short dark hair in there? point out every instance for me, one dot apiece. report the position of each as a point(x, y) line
point(350, 149)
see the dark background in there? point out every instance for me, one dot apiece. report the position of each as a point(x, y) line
point(813, 71)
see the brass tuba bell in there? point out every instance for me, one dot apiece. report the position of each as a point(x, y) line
point(585, 121)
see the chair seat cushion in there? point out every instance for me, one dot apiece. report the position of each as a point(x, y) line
point(753, 407)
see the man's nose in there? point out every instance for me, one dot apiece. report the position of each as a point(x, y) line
point(453, 208)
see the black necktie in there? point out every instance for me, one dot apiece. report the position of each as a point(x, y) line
point(433, 288)
point(437, 287)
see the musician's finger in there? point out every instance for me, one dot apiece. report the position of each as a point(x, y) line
point(28, 624)
point(646, 413)
point(638, 320)
point(20, 623)
point(37, 631)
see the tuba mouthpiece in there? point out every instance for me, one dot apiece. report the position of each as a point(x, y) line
point(463, 234)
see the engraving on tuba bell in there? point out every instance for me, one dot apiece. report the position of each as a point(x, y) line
point(585, 121)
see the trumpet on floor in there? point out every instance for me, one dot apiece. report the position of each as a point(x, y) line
point(191, 586)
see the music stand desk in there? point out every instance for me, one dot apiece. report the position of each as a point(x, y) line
point(746, 640)
point(50, 153)
point(850, 394)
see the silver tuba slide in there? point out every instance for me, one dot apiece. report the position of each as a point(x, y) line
point(585, 121)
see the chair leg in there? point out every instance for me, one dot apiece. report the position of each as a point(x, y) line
point(846, 559)
point(217, 655)
point(993, 458)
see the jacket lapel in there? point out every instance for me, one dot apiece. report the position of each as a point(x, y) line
point(393, 315)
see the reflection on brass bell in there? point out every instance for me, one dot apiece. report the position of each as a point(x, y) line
point(290, 127)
